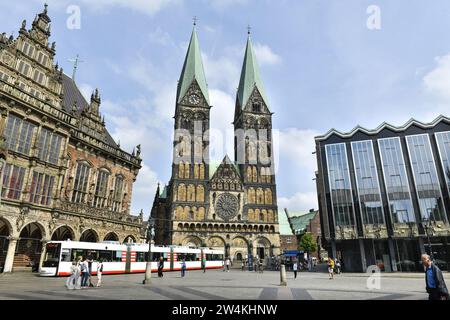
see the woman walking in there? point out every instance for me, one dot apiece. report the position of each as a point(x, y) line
point(99, 273)
point(72, 280)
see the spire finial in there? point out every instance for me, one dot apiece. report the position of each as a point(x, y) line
point(75, 62)
point(195, 19)
point(249, 30)
point(45, 8)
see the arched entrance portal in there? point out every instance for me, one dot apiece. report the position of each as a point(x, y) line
point(111, 237)
point(63, 233)
point(262, 248)
point(29, 246)
point(129, 239)
point(4, 242)
point(238, 256)
point(89, 236)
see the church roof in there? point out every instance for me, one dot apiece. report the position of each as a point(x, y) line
point(215, 165)
point(283, 221)
point(250, 77)
point(72, 96)
point(299, 221)
point(192, 70)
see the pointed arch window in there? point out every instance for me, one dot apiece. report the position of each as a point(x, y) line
point(101, 188)
point(118, 194)
point(80, 188)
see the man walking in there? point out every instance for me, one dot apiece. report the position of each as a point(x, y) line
point(294, 268)
point(183, 268)
point(435, 283)
point(331, 268)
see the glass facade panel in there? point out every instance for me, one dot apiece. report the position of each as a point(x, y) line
point(396, 180)
point(443, 141)
point(340, 185)
point(426, 178)
point(367, 183)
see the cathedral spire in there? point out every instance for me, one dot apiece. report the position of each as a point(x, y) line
point(250, 76)
point(192, 69)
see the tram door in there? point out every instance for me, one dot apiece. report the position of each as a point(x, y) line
point(128, 260)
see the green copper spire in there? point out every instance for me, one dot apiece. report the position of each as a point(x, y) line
point(192, 70)
point(250, 77)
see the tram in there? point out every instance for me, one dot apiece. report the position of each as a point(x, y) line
point(124, 258)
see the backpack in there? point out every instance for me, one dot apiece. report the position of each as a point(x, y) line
point(83, 267)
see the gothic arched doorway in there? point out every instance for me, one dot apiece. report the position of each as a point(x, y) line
point(89, 236)
point(4, 241)
point(29, 246)
point(129, 239)
point(111, 237)
point(63, 233)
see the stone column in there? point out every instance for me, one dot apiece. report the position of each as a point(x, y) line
point(333, 249)
point(43, 252)
point(10, 255)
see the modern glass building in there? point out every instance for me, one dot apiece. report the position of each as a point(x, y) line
point(384, 195)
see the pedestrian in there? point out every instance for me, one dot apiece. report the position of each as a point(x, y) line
point(243, 265)
point(161, 267)
point(90, 260)
point(338, 266)
point(71, 281)
point(204, 264)
point(227, 263)
point(183, 267)
point(331, 268)
point(294, 268)
point(434, 280)
point(78, 273)
point(84, 273)
point(99, 273)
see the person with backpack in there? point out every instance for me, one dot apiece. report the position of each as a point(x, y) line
point(99, 273)
point(84, 273)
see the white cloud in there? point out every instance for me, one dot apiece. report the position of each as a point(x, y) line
point(437, 81)
point(299, 202)
point(144, 190)
point(221, 5)
point(265, 55)
point(149, 7)
point(297, 146)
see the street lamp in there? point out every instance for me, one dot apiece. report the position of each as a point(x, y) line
point(427, 227)
point(150, 236)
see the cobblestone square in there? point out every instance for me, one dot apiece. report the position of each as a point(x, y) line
point(218, 285)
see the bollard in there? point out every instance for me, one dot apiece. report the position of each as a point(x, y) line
point(283, 281)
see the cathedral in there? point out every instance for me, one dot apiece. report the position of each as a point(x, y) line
point(230, 205)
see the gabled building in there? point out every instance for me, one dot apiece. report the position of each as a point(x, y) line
point(63, 175)
point(233, 205)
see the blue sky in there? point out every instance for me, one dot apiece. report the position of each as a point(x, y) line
point(322, 68)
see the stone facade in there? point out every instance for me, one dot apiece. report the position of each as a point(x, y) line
point(231, 205)
point(63, 175)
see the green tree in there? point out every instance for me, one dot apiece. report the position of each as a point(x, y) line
point(307, 243)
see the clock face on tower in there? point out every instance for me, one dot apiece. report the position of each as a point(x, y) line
point(227, 206)
point(194, 99)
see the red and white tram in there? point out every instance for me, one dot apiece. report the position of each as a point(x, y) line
point(124, 258)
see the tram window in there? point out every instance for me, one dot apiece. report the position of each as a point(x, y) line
point(65, 255)
point(214, 257)
point(140, 256)
point(117, 256)
point(77, 253)
point(189, 256)
point(105, 256)
point(157, 255)
point(51, 256)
